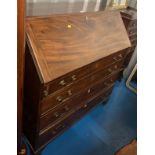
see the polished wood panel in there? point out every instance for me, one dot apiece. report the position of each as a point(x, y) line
point(32, 88)
point(65, 39)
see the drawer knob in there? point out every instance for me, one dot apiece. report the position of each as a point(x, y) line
point(134, 24)
point(62, 83)
point(22, 151)
point(45, 92)
point(59, 99)
point(130, 32)
point(115, 66)
point(66, 108)
point(111, 80)
point(110, 70)
point(69, 92)
point(73, 77)
point(116, 59)
point(120, 55)
point(56, 114)
point(88, 91)
point(85, 106)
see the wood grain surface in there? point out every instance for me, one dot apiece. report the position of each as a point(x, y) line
point(63, 43)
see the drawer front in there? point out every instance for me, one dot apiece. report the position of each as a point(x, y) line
point(103, 96)
point(46, 136)
point(72, 77)
point(62, 96)
point(64, 110)
point(50, 133)
point(57, 114)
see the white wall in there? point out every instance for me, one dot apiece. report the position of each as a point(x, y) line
point(47, 7)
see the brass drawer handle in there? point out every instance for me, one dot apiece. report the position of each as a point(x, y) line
point(56, 114)
point(88, 91)
point(73, 77)
point(66, 108)
point(85, 105)
point(59, 99)
point(120, 55)
point(111, 80)
point(62, 83)
point(116, 58)
point(115, 66)
point(133, 24)
point(131, 32)
point(64, 100)
point(45, 92)
point(22, 151)
point(110, 70)
point(69, 92)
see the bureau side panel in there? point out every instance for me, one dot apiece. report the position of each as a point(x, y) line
point(32, 87)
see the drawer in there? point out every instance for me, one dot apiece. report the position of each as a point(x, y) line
point(48, 134)
point(103, 96)
point(53, 131)
point(80, 73)
point(57, 114)
point(64, 110)
point(87, 106)
point(62, 96)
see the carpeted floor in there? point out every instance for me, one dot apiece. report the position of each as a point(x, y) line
point(104, 130)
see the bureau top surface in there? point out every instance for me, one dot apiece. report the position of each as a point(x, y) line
point(60, 44)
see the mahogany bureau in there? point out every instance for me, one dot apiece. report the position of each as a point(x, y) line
point(72, 62)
